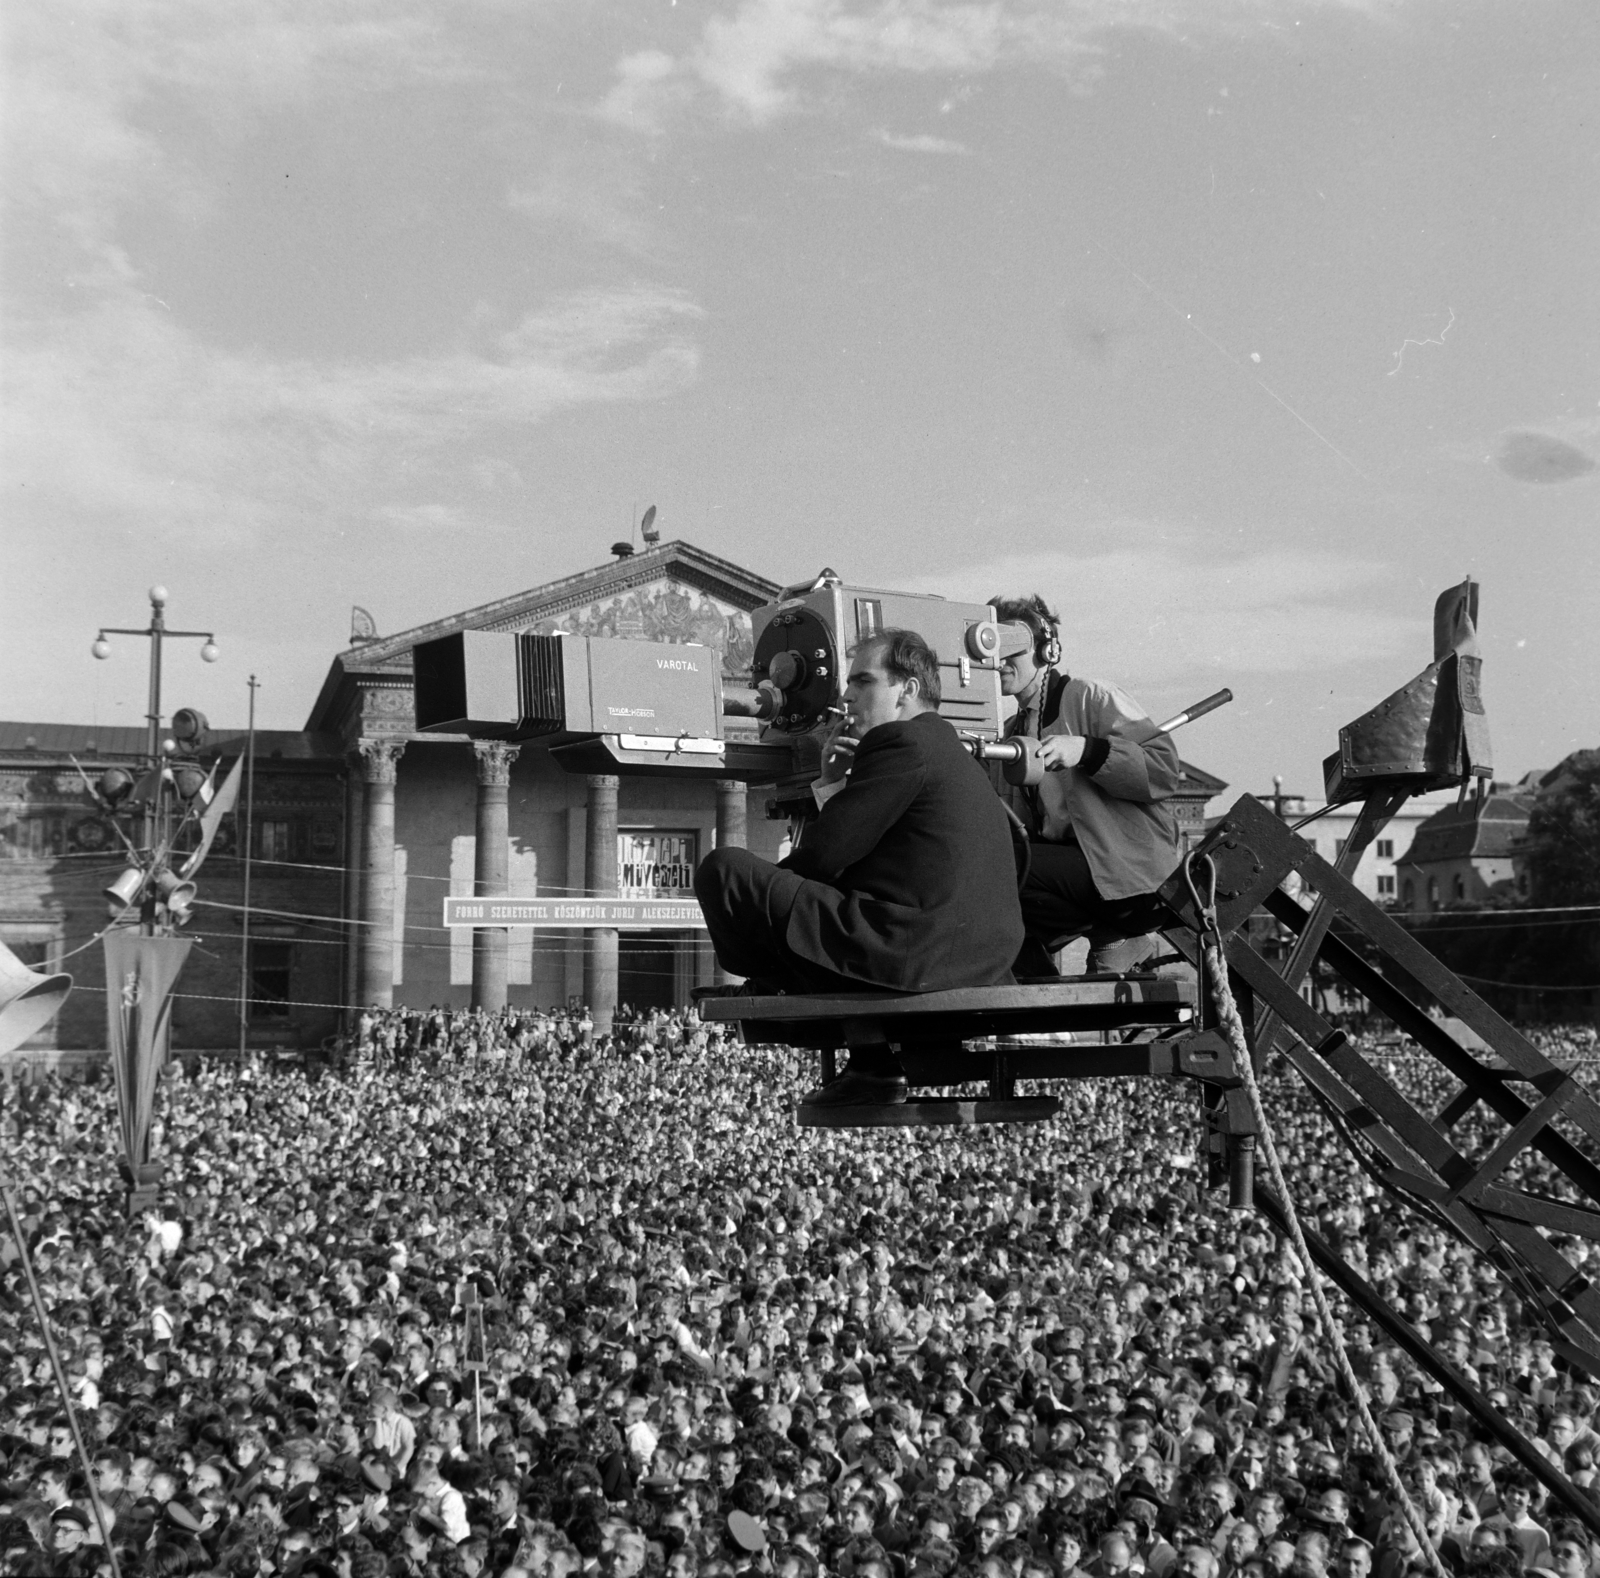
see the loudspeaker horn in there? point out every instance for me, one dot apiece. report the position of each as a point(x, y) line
point(126, 889)
point(176, 894)
point(28, 1000)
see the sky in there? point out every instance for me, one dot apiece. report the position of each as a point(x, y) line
point(1237, 328)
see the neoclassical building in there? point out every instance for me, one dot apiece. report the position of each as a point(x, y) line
point(434, 815)
point(361, 827)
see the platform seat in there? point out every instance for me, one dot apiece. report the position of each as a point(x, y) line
point(963, 1035)
point(1062, 1007)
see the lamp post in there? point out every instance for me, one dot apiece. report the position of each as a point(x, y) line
point(143, 964)
point(156, 631)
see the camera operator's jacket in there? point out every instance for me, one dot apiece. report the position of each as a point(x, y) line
point(1112, 802)
point(913, 882)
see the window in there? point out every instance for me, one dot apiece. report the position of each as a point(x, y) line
point(1385, 849)
point(1385, 887)
point(1408, 894)
point(1460, 886)
point(1433, 892)
point(33, 838)
point(269, 979)
point(272, 840)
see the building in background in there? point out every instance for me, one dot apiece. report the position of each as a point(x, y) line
point(58, 851)
point(1378, 873)
point(418, 805)
point(1465, 855)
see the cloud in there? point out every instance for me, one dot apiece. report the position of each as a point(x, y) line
point(648, 84)
point(86, 79)
point(429, 519)
point(1162, 610)
point(749, 55)
point(118, 413)
point(1538, 457)
point(745, 56)
point(922, 143)
point(594, 191)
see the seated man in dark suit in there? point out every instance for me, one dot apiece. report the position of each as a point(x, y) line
point(905, 880)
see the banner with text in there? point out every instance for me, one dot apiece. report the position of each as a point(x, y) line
point(653, 863)
point(609, 914)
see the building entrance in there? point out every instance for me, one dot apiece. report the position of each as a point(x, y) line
point(655, 969)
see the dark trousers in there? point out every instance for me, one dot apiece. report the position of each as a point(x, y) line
point(1060, 901)
point(746, 901)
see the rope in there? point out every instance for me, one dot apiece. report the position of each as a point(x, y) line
point(62, 1388)
point(1228, 1015)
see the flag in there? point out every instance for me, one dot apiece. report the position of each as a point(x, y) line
point(211, 818)
point(140, 973)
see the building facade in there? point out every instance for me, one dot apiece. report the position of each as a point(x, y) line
point(59, 851)
point(434, 815)
point(1377, 874)
point(1465, 855)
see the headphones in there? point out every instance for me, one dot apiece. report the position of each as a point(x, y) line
point(1047, 649)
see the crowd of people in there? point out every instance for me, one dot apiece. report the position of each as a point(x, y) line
point(497, 1296)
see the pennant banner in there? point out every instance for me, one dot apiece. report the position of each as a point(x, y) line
point(140, 974)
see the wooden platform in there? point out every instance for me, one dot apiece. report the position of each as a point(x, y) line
point(945, 1019)
point(941, 1111)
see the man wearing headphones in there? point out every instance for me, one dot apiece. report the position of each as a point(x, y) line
point(1102, 838)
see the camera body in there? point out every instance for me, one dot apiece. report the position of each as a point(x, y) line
point(802, 643)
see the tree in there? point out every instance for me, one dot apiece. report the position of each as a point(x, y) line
point(1563, 837)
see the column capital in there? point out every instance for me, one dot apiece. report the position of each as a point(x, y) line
point(604, 780)
point(494, 761)
point(380, 759)
point(732, 786)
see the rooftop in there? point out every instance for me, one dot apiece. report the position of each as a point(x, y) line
point(57, 741)
point(1472, 830)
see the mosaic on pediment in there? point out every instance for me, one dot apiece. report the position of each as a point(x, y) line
point(663, 610)
point(386, 710)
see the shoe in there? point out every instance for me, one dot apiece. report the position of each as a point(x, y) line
point(859, 1090)
point(1034, 963)
point(1122, 956)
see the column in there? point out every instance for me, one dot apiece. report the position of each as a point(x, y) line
point(350, 903)
point(489, 869)
point(377, 889)
point(575, 944)
point(732, 833)
point(600, 879)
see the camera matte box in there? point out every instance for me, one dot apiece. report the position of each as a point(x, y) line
point(496, 686)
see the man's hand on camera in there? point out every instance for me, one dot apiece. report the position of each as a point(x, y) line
point(838, 751)
point(1058, 752)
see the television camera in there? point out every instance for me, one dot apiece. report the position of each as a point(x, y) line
point(657, 708)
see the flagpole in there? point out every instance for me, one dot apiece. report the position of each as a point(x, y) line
point(249, 807)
